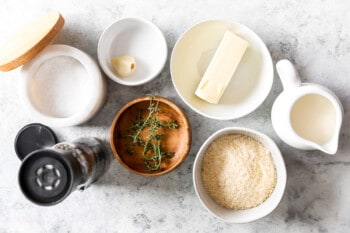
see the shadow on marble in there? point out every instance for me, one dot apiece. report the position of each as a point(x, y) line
point(310, 195)
point(117, 177)
point(72, 35)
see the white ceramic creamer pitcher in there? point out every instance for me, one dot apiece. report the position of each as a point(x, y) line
point(306, 116)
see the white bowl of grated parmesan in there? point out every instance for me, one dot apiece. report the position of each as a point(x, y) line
point(239, 175)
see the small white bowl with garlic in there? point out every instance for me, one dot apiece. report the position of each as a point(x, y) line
point(132, 51)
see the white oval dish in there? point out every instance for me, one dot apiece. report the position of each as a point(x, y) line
point(47, 99)
point(138, 38)
point(248, 215)
point(250, 84)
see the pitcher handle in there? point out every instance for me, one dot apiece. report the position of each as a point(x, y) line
point(288, 74)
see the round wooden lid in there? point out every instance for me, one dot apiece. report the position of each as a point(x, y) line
point(29, 41)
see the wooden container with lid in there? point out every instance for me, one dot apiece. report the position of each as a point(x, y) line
point(30, 48)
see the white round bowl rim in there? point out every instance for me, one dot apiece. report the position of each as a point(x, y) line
point(280, 168)
point(101, 53)
point(267, 57)
point(97, 84)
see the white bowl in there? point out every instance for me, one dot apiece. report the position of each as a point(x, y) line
point(248, 215)
point(134, 37)
point(250, 84)
point(45, 92)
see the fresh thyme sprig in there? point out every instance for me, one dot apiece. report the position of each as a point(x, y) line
point(152, 149)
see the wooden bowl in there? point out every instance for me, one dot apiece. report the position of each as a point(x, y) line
point(176, 141)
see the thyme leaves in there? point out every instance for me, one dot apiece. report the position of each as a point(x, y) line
point(152, 151)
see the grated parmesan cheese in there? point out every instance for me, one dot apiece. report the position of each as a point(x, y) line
point(238, 172)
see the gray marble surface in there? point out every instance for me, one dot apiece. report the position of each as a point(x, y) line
point(313, 34)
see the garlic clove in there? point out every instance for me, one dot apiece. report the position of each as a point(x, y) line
point(124, 65)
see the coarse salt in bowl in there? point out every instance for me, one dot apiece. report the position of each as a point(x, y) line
point(62, 86)
point(247, 215)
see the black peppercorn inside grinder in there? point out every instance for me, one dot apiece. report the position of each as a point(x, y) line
point(52, 171)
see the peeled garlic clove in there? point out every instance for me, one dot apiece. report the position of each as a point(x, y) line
point(124, 65)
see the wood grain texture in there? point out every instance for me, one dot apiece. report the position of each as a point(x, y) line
point(30, 41)
point(174, 140)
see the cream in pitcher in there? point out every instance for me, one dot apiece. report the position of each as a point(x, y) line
point(306, 116)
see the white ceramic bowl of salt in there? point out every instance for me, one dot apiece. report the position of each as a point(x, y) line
point(138, 38)
point(251, 214)
point(62, 86)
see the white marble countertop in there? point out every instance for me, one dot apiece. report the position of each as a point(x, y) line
point(313, 34)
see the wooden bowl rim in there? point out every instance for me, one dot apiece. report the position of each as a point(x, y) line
point(177, 109)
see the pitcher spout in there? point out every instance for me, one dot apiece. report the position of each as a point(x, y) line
point(331, 146)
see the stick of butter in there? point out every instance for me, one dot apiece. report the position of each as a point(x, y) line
point(221, 68)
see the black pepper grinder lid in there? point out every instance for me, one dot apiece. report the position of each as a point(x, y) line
point(47, 176)
point(33, 137)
